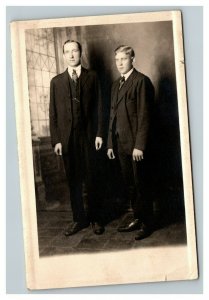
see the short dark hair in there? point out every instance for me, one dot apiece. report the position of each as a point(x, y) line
point(72, 41)
point(127, 49)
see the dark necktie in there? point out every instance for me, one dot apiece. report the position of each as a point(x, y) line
point(121, 83)
point(74, 76)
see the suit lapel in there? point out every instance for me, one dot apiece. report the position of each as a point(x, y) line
point(66, 89)
point(83, 79)
point(66, 83)
point(115, 92)
point(128, 83)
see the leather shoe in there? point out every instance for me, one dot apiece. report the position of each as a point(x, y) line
point(143, 232)
point(130, 227)
point(77, 226)
point(97, 228)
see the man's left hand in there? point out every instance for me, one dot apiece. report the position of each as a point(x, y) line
point(98, 143)
point(137, 154)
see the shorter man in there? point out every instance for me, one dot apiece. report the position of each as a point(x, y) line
point(132, 97)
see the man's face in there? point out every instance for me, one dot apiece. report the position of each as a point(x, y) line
point(124, 62)
point(72, 54)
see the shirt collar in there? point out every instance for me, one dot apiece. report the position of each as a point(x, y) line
point(127, 74)
point(77, 69)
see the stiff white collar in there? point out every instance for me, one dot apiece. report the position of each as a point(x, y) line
point(77, 69)
point(127, 74)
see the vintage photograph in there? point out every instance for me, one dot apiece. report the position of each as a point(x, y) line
point(101, 105)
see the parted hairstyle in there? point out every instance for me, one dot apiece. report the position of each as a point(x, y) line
point(72, 41)
point(127, 49)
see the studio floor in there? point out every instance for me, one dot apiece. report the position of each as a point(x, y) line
point(52, 241)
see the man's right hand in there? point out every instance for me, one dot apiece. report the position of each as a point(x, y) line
point(58, 149)
point(110, 153)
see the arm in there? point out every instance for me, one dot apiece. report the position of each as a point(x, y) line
point(99, 108)
point(109, 138)
point(110, 152)
point(145, 100)
point(99, 134)
point(54, 132)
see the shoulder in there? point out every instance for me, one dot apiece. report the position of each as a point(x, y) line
point(142, 77)
point(58, 77)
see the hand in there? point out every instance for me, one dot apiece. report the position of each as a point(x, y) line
point(98, 143)
point(110, 153)
point(58, 149)
point(137, 154)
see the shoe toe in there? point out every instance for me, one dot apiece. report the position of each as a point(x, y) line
point(97, 228)
point(130, 227)
point(75, 228)
point(142, 234)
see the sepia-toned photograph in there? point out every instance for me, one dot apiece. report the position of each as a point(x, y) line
point(104, 151)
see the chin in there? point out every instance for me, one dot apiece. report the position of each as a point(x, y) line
point(73, 65)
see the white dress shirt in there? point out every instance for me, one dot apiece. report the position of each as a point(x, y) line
point(127, 74)
point(77, 69)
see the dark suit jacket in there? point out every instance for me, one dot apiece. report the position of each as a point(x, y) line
point(60, 110)
point(132, 106)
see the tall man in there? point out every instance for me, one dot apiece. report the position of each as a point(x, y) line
point(132, 97)
point(76, 134)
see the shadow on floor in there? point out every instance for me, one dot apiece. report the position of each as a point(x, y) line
point(51, 226)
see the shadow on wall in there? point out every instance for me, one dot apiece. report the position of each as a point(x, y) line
point(165, 154)
point(97, 62)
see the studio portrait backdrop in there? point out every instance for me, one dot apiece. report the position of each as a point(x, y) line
point(167, 250)
point(154, 56)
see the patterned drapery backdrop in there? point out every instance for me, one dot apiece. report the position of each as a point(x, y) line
point(41, 66)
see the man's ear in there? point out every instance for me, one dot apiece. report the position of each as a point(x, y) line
point(133, 59)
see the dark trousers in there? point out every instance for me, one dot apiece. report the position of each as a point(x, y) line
point(80, 170)
point(135, 180)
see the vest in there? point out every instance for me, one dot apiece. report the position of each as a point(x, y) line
point(76, 103)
